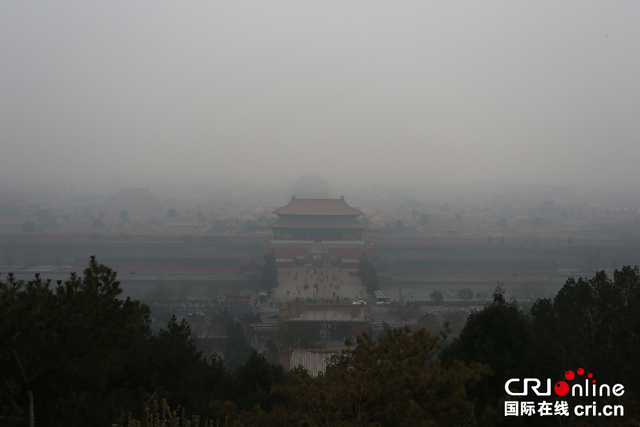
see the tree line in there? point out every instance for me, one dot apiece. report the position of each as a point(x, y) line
point(75, 353)
point(367, 274)
point(592, 323)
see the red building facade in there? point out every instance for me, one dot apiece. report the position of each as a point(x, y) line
point(317, 232)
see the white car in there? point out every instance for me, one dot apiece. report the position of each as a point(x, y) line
point(360, 302)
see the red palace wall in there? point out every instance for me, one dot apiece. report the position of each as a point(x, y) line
point(291, 253)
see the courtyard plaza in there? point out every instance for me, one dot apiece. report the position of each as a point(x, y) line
point(336, 282)
point(317, 285)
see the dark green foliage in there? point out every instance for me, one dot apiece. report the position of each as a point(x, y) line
point(269, 271)
point(79, 355)
point(591, 323)
point(405, 310)
point(296, 335)
point(502, 222)
point(437, 296)
point(393, 381)
point(172, 213)
point(97, 223)
point(465, 294)
point(222, 315)
point(481, 296)
point(595, 323)
point(272, 349)
point(161, 414)
point(424, 219)
point(237, 348)
point(180, 373)
point(251, 318)
point(64, 339)
point(499, 336)
point(367, 274)
point(253, 381)
point(429, 322)
point(249, 387)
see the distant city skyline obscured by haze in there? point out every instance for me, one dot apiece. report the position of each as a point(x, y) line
point(412, 93)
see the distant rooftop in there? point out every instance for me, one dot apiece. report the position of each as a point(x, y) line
point(317, 207)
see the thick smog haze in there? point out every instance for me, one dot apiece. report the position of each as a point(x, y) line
point(444, 93)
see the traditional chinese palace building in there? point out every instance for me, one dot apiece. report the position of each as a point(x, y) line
point(317, 232)
point(330, 321)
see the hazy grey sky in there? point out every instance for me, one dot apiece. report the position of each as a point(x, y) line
point(437, 91)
